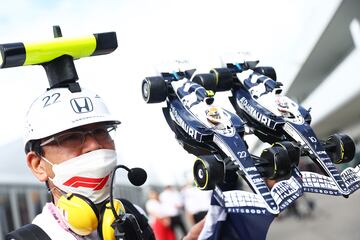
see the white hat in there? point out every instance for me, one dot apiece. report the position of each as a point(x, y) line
point(59, 109)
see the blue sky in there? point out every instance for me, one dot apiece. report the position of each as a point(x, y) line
point(280, 33)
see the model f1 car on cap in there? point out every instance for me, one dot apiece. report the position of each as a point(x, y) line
point(215, 136)
point(273, 117)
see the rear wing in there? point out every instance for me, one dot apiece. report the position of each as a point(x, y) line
point(58, 54)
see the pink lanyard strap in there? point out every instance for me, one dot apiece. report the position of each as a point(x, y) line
point(60, 220)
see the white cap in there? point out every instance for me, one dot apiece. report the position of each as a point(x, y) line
point(59, 109)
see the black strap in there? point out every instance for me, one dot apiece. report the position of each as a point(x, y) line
point(148, 233)
point(28, 232)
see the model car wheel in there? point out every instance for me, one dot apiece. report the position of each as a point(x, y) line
point(208, 171)
point(340, 148)
point(267, 71)
point(293, 152)
point(207, 80)
point(154, 89)
point(274, 163)
point(224, 78)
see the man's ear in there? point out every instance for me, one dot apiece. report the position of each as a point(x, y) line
point(37, 166)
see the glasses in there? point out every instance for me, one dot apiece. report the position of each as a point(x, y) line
point(76, 139)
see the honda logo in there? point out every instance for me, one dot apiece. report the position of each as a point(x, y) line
point(81, 105)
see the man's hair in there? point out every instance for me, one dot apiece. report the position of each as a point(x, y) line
point(34, 145)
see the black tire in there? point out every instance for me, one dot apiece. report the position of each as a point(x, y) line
point(208, 171)
point(292, 150)
point(267, 71)
point(224, 79)
point(207, 80)
point(154, 89)
point(341, 148)
point(274, 163)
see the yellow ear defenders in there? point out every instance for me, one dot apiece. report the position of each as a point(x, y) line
point(80, 213)
point(105, 230)
point(83, 216)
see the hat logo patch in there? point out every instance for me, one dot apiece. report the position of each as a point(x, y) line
point(81, 105)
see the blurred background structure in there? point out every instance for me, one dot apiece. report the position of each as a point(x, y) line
point(316, 58)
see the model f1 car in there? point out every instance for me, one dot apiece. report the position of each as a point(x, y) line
point(215, 136)
point(273, 117)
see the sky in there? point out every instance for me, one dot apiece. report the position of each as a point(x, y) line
point(150, 34)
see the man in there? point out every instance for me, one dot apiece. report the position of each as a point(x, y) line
point(196, 202)
point(173, 204)
point(69, 146)
point(159, 219)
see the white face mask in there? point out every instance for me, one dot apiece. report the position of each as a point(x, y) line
point(87, 174)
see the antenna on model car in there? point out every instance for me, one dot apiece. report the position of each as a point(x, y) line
point(175, 69)
point(239, 61)
point(57, 55)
